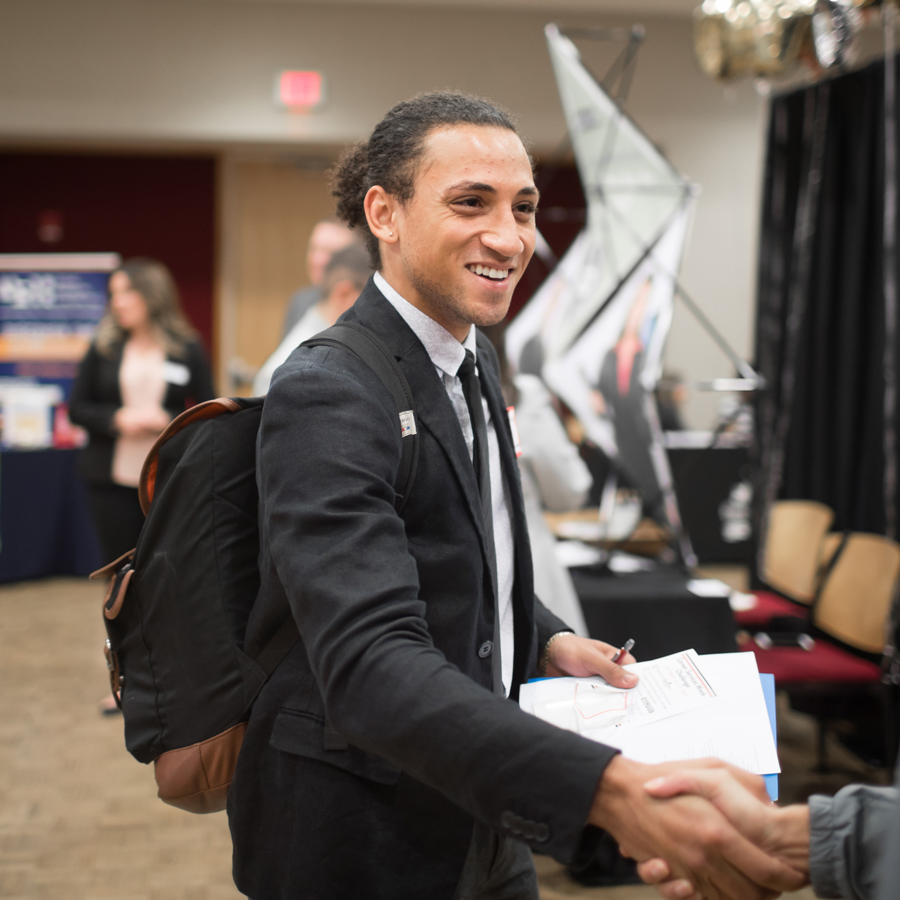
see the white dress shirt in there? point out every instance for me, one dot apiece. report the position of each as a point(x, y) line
point(447, 354)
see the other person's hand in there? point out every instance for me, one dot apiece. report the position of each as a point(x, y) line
point(694, 847)
point(132, 421)
point(129, 422)
point(573, 655)
point(156, 419)
point(781, 832)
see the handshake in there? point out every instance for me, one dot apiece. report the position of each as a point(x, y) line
point(698, 829)
point(703, 829)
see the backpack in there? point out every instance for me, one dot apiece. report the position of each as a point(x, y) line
point(177, 606)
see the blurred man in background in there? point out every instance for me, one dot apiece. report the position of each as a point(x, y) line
point(344, 277)
point(329, 236)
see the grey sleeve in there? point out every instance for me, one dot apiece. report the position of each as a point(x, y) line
point(849, 841)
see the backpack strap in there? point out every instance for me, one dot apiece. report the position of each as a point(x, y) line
point(209, 409)
point(376, 355)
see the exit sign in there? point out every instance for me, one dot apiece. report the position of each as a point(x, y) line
point(299, 90)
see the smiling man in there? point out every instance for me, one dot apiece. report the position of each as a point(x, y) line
point(387, 757)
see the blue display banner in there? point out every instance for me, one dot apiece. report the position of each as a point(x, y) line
point(52, 302)
point(49, 316)
point(50, 305)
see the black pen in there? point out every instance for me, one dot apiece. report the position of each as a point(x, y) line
point(626, 649)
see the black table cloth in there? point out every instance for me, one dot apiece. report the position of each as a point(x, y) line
point(45, 524)
point(656, 609)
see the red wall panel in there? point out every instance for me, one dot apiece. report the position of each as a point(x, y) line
point(561, 215)
point(157, 206)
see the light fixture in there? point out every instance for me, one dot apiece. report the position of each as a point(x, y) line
point(762, 38)
point(835, 24)
point(769, 38)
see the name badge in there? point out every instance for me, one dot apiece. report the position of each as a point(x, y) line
point(407, 423)
point(514, 429)
point(176, 373)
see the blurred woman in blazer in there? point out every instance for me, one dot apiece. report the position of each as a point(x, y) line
point(144, 366)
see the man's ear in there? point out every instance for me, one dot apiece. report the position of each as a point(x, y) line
point(381, 208)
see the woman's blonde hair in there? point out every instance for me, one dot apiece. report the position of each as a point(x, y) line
point(154, 282)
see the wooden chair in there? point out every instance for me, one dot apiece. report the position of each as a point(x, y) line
point(792, 562)
point(830, 544)
point(850, 620)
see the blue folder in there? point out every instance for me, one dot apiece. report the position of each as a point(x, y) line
point(768, 686)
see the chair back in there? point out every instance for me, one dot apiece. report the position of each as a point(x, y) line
point(854, 603)
point(830, 543)
point(793, 544)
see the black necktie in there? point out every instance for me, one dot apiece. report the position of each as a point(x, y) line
point(481, 460)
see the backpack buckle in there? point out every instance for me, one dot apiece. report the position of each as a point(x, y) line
point(115, 593)
point(115, 675)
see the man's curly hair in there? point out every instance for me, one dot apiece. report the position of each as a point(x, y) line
point(391, 156)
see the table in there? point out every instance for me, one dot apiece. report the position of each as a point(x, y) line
point(45, 524)
point(648, 539)
point(654, 608)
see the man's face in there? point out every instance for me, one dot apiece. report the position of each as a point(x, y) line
point(327, 238)
point(472, 212)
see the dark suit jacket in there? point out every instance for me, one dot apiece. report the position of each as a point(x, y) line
point(377, 742)
point(96, 398)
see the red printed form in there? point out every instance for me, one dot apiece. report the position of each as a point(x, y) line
point(668, 686)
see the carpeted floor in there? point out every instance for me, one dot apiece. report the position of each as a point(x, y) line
point(79, 818)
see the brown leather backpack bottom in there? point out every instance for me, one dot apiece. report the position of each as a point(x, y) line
point(197, 778)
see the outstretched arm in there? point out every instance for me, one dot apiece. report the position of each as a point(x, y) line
point(783, 834)
point(690, 840)
point(840, 844)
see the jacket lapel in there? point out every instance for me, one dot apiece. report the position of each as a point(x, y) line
point(433, 407)
point(497, 406)
point(435, 412)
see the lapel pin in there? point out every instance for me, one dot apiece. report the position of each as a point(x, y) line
point(407, 423)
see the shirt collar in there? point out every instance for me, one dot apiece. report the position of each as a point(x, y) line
point(445, 351)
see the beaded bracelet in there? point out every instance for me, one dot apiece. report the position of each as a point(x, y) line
point(545, 656)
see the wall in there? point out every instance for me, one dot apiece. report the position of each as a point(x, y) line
point(134, 205)
point(198, 72)
point(276, 204)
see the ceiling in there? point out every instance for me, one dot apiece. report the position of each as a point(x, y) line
point(658, 7)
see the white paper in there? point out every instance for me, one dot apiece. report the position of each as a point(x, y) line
point(625, 563)
point(573, 553)
point(708, 587)
point(741, 602)
point(590, 706)
point(734, 728)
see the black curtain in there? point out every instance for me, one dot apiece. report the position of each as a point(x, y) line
point(820, 329)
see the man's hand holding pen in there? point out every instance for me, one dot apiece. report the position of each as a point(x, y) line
point(570, 654)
